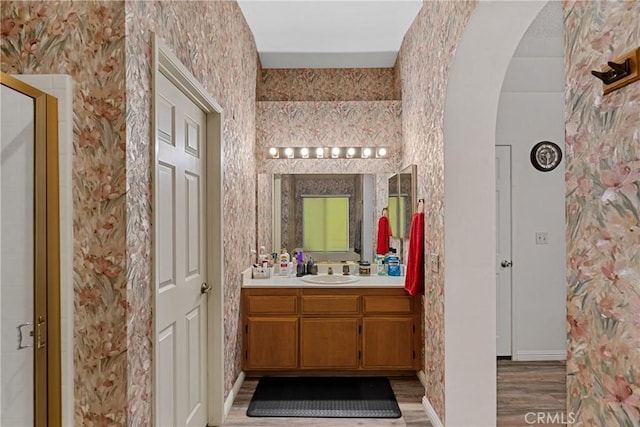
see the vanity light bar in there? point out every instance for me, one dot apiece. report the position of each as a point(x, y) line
point(327, 153)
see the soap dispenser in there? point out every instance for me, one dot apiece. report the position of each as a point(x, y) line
point(310, 265)
point(300, 265)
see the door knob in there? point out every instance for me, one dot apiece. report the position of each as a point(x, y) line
point(205, 289)
point(505, 263)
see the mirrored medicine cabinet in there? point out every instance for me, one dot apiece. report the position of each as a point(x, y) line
point(402, 200)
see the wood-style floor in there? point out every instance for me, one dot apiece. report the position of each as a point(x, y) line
point(523, 388)
point(527, 390)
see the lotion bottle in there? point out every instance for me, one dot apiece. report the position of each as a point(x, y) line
point(284, 263)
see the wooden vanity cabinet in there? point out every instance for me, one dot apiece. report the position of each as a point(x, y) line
point(271, 329)
point(316, 329)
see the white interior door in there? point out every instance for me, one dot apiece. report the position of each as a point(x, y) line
point(503, 250)
point(180, 249)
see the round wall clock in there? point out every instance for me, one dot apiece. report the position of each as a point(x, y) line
point(546, 156)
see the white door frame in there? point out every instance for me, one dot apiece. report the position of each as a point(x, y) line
point(165, 62)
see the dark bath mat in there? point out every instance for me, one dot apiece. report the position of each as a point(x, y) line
point(324, 397)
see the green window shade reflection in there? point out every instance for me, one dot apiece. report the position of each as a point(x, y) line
point(325, 224)
point(397, 215)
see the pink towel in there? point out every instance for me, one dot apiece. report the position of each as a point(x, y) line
point(414, 276)
point(384, 232)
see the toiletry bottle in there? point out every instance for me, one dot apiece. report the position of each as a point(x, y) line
point(300, 265)
point(284, 262)
point(380, 265)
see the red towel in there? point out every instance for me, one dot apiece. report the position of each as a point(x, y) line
point(384, 232)
point(414, 277)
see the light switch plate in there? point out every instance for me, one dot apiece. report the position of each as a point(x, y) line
point(542, 238)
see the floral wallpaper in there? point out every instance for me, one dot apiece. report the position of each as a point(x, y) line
point(427, 52)
point(603, 222)
point(344, 123)
point(111, 177)
point(214, 42)
point(106, 47)
point(286, 185)
point(327, 84)
point(86, 40)
point(264, 213)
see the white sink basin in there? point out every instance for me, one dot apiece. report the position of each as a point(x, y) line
point(330, 279)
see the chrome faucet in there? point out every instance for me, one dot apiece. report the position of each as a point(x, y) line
point(330, 271)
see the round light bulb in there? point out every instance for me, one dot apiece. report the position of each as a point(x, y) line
point(335, 151)
point(304, 152)
point(351, 152)
point(382, 152)
point(319, 152)
point(273, 151)
point(288, 152)
point(366, 152)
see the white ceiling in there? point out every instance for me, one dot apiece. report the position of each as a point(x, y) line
point(329, 33)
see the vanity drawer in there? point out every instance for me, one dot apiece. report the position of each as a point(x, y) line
point(375, 304)
point(272, 304)
point(330, 304)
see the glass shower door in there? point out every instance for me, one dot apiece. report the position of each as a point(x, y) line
point(17, 258)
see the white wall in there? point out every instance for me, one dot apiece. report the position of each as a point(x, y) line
point(473, 91)
point(61, 86)
point(531, 109)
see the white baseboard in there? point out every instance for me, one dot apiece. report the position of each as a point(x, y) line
point(228, 402)
point(431, 413)
point(533, 355)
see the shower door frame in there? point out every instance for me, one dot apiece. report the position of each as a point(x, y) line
point(46, 318)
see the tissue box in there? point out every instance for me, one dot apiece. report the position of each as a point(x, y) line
point(261, 272)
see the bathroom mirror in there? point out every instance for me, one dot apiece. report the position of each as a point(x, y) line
point(402, 197)
point(327, 215)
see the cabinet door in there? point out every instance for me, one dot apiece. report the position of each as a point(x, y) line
point(329, 343)
point(271, 343)
point(387, 343)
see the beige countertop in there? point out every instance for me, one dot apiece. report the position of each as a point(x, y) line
point(373, 281)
